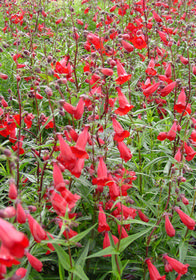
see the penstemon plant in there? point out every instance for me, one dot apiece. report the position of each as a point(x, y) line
point(98, 137)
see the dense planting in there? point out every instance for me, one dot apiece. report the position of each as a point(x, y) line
point(98, 139)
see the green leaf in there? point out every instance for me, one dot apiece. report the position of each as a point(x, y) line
point(183, 248)
point(125, 242)
point(81, 235)
point(79, 272)
point(107, 251)
point(61, 271)
point(63, 257)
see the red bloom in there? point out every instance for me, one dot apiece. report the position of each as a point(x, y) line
point(162, 136)
point(168, 71)
point(120, 133)
point(181, 102)
point(156, 17)
point(142, 216)
point(6, 258)
point(190, 153)
point(154, 274)
point(3, 76)
point(68, 233)
point(125, 153)
point(35, 263)
point(127, 212)
point(187, 221)
point(21, 272)
point(124, 106)
point(123, 77)
point(139, 42)
point(166, 90)
point(107, 71)
point(122, 232)
point(59, 203)
point(168, 227)
point(102, 177)
point(184, 60)
point(20, 214)
point(151, 89)
point(58, 178)
point(37, 231)
point(127, 46)
point(12, 189)
point(150, 70)
point(79, 149)
point(176, 265)
point(66, 157)
point(12, 239)
point(102, 226)
point(171, 135)
point(106, 242)
point(178, 155)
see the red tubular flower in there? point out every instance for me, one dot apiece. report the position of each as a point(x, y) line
point(151, 89)
point(20, 214)
point(58, 178)
point(181, 102)
point(6, 258)
point(168, 71)
point(125, 153)
point(184, 60)
point(102, 177)
point(123, 77)
point(3, 76)
point(190, 153)
point(171, 135)
point(107, 71)
point(162, 136)
point(178, 155)
point(106, 241)
point(124, 106)
point(176, 265)
point(3, 271)
point(35, 263)
point(150, 70)
point(168, 227)
point(102, 226)
point(154, 274)
point(66, 157)
point(59, 203)
point(120, 133)
point(139, 42)
point(122, 232)
point(79, 149)
point(142, 216)
point(166, 90)
point(186, 220)
point(12, 239)
point(156, 17)
point(21, 272)
point(194, 70)
point(127, 46)
point(37, 231)
point(12, 189)
point(70, 198)
point(113, 188)
point(127, 212)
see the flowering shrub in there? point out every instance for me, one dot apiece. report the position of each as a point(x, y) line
point(98, 137)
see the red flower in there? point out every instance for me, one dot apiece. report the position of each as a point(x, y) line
point(127, 46)
point(166, 90)
point(37, 231)
point(77, 111)
point(125, 153)
point(35, 263)
point(122, 232)
point(151, 89)
point(171, 135)
point(12, 239)
point(102, 226)
point(79, 149)
point(127, 212)
point(66, 157)
point(176, 265)
point(178, 155)
point(58, 178)
point(106, 242)
point(124, 106)
point(139, 42)
point(142, 216)
point(123, 77)
point(20, 214)
point(6, 258)
point(21, 272)
point(102, 177)
point(107, 71)
point(168, 227)
point(12, 189)
point(120, 133)
point(68, 233)
point(184, 60)
point(168, 71)
point(190, 153)
point(59, 204)
point(3, 76)
point(162, 136)
point(181, 102)
point(156, 17)
point(154, 274)
point(150, 70)
point(187, 221)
